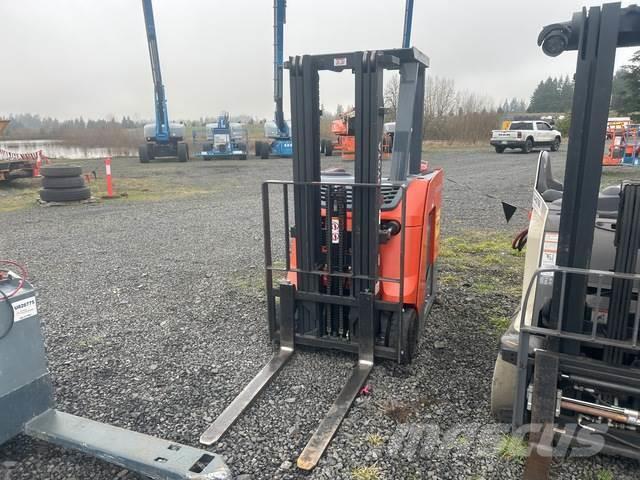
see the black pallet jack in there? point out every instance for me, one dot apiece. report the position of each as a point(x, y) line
point(349, 283)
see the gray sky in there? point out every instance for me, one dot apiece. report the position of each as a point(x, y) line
point(68, 58)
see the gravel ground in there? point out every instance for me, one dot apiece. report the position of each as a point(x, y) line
point(154, 317)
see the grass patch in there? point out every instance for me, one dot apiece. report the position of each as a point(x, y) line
point(398, 411)
point(145, 189)
point(23, 193)
point(499, 322)
point(484, 261)
point(16, 198)
point(513, 448)
point(615, 175)
point(604, 475)
point(249, 284)
point(366, 473)
point(375, 440)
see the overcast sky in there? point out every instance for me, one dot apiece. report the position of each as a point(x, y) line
point(68, 58)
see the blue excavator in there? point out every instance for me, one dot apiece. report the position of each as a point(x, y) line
point(162, 138)
point(278, 131)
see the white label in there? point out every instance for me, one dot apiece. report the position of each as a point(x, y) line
point(108, 169)
point(549, 251)
point(340, 62)
point(335, 230)
point(24, 308)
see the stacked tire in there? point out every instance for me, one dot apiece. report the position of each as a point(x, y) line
point(63, 183)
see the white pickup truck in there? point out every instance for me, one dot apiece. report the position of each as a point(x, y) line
point(526, 135)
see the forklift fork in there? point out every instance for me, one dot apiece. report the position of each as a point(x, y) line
point(327, 429)
point(329, 425)
point(265, 376)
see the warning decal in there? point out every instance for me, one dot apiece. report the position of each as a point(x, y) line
point(549, 251)
point(335, 230)
point(25, 308)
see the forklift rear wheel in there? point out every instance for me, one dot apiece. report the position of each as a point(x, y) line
point(143, 153)
point(499, 149)
point(503, 387)
point(183, 152)
point(408, 336)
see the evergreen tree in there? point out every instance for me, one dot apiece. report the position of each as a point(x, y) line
point(628, 94)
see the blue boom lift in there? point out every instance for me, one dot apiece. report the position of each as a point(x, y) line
point(163, 139)
point(225, 140)
point(408, 17)
point(278, 131)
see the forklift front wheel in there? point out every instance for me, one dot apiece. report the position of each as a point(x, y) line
point(408, 337)
point(503, 387)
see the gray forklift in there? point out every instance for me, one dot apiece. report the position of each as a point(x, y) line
point(568, 371)
point(27, 404)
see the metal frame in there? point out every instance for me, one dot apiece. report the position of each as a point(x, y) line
point(27, 406)
point(316, 337)
point(595, 35)
point(300, 318)
point(533, 329)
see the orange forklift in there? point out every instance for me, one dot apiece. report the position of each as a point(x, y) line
point(359, 249)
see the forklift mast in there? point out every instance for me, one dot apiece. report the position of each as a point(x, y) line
point(408, 18)
point(348, 284)
point(578, 345)
point(162, 115)
point(279, 19)
point(595, 36)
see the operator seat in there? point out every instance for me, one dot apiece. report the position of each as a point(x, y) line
point(551, 190)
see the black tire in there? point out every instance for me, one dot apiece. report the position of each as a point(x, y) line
point(528, 145)
point(143, 153)
point(499, 149)
point(555, 146)
point(265, 150)
point(328, 149)
point(322, 145)
point(408, 336)
point(65, 195)
point(62, 182)
point(151, 150)
point(61, 171)
point(183, 152)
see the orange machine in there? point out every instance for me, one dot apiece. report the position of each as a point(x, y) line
point(359, 250)
point(423, 197)
point(343, 129)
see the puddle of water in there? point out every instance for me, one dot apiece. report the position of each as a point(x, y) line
point(59, 149)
